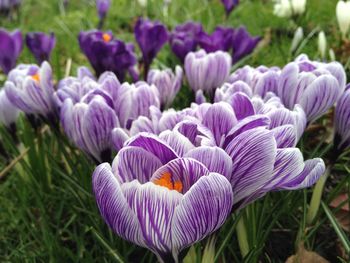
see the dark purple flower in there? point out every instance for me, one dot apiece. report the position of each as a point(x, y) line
point(11, 45)
point(183, 39)
point(242, 43)
point(220, 39)
point(229, 5)
point(175, 202)
point(102, 7)
point(107, 53)
point(150, 36)
point(41, 45)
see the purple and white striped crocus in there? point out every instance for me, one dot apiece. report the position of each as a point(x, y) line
point(158, 200)
point(11, 45)
point(315, 86)
point(30, 88)
point(167, 83)
point(8, 112)
point(89, 123)
point(342, 122)
point(207, 71)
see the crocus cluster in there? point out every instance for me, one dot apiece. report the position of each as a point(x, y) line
point(185, 38)
point(289, 8)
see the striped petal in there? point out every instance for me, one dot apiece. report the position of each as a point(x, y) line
point(285, 136)
point(178, 142)
point(203, 209)
point(242, 106)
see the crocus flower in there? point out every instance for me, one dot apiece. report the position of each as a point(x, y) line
point(343, 16)
point(150, 36)
point(242, 43)
point(315, 86)
point(288, 8)
point(8, 5)
point(11, 45)
point(220, 39)
point(322, 44)
point(342, 122)
point(30, 88)
point(40, 45)
point(89, 124)
point(298, 37)
point(102, 8)
point(229, 5)
point(107, 53)
point(207, 71)
point(167, 83)
point(183, 39)
point(8, 112)
point(159, 201)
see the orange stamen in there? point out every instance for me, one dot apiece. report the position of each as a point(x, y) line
point(36, 77)
point(106, 37)
point(166, 181)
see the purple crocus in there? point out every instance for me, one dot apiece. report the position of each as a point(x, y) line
point(102, 7)
point(158, 200)
point(207, 71)
point(30, 88)
point(229, 5)
point(8, 112)
point(242, 43)
point(107, 53)
point(11, 45)
point(41, 45)
point(342, 122)
point(89, 123)
point(183, 39)
point(315, 86)
point(151, 37)
point(220, 39)
point(167, 83)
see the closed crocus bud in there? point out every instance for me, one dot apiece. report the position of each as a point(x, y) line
point(298, 37)
point(151, 37)
point(102, 7)
point(41, 45)
point(30, 88)
point(167, 83)
point(107, 53)
point(315, 86)
point(183, 39)
point(89, 124)
point(207, 71)
point(298, 6)
point(8, 112)
point(342, 123)
point(229, 5)
point(134, 100)
point(11, 45)
point(343, 16)
point(322, 44)
point(242, 43)
point(283, 8)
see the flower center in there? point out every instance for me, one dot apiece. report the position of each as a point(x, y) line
point(106, 37)
point(166, 181)
point(36, 77)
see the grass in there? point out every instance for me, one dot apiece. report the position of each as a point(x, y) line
point(47, 211)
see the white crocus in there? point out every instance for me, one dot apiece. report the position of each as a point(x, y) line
point(142, 3)
point(288, 8)
point(343, 16)
point(322, 44)
point(298, 37)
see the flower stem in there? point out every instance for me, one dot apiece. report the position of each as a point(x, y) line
point(242, 237)
point(316, 197)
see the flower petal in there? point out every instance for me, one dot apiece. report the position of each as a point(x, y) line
point(285, 136)
point(177, 141)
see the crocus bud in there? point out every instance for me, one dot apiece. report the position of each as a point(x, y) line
point(40, 45)
point(288, 8)
point(207, 71)
point(167, 83)
point(322, 44)
point(150, 36)
point(184, 39)
point(298, 37)
point(30, 88)
point(102, 7)
point(8, 112)
point(229, 5)
point(343, 16)
point(142, 3)
point(11, 45)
